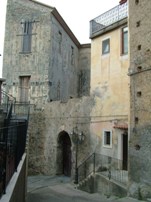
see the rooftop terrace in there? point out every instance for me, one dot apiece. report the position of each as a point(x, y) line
point(108, 18)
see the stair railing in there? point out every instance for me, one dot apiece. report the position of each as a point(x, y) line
point(109, 167)
point(86, 168)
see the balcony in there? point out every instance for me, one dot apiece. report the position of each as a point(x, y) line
point(108, 18)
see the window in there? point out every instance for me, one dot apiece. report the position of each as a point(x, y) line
point(107, 139)
point(124, 41)
point(105, 46)
point(24, 88)
point(72, 55)
point(60, 41)
point(27, 35)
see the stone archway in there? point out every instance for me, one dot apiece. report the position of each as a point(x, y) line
point(64, 154)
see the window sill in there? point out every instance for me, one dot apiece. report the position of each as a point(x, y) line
point(107, 146)
point(124, 56)
point(25, 53)
point(105, 55)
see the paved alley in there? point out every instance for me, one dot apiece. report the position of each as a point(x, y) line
point(60, 189)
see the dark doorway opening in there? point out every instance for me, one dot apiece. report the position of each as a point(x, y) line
point(64, 154)
point(125, 151)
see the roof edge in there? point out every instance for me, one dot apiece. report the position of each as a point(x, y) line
point(42, 4)
point(65, 26)
point(61, 21)
point(86, 45)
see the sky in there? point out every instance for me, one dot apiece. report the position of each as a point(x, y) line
point(76, 13)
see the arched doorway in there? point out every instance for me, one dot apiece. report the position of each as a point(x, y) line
point(64, 154)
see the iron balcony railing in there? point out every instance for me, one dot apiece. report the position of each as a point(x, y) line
point(22, 109)
point(108, 18)
point(109, 167)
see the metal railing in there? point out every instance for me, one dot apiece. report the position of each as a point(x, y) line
point(12, 137)
point(113, 15)
point(11, 151)
point(112, 168)
point(86, 168)
point(109, 167)
point(22, 109)
point(6, 101)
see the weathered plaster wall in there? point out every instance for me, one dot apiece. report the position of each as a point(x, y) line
point(63, 65)
point(84, 70)
point(140, 99)
point(110, 89)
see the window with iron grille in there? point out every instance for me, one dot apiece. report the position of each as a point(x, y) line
point(107, 138)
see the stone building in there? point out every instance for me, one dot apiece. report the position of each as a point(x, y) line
point(110, 83)
point(140, 99)
point(45, 64)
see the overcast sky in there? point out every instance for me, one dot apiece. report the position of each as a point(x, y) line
point(76, 13)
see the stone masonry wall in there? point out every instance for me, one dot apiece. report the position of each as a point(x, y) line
point(63, 64)
point(55, 59)
point(34, 64)
point(140, 99)
point(45, 127)
point(57, 68)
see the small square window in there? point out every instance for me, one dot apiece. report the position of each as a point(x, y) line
point(138, 23)
point(139, 47)
point(107, 139)
point(105, 46)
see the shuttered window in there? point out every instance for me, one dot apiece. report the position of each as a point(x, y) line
point(27, 37)
point(24, 88)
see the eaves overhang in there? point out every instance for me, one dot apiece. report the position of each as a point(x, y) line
point(121, 126)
